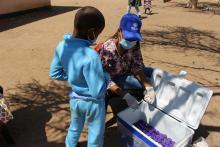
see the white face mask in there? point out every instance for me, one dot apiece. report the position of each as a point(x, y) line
point(127, 44)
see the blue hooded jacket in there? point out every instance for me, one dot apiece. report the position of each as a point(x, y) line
point(78, 64)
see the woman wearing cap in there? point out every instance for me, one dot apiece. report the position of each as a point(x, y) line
point(121, 57)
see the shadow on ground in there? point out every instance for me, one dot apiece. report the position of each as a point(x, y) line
point(34, 105)
point(204, 131)
point(203, 7)
point(184, 38)
point(13, 20)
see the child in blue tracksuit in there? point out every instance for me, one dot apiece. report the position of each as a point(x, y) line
point(78, 64)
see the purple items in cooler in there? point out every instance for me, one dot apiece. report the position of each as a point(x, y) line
point(154, 134)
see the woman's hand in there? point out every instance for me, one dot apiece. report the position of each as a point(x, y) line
point(149, 95)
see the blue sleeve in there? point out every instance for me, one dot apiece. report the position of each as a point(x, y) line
point(56, 70)
point(96, 79)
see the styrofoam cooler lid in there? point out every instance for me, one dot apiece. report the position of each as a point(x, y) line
point(180, 98)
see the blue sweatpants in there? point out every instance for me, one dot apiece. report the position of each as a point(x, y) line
point(91, 112)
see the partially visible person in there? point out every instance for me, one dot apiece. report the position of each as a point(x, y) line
point(147, 7)
point(77, 63)
point(5, 113)
point(121, 57)
point(5, 117)
point(136, 4)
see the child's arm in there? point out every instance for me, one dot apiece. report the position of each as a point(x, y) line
point(96, 79)
point(56, 70)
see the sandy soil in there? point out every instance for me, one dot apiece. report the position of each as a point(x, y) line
point(175, 38)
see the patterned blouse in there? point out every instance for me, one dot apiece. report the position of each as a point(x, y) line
point(114, 63)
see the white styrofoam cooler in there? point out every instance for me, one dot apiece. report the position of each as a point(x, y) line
point(179, 107)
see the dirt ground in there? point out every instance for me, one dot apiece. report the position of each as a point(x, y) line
point(175, 38)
